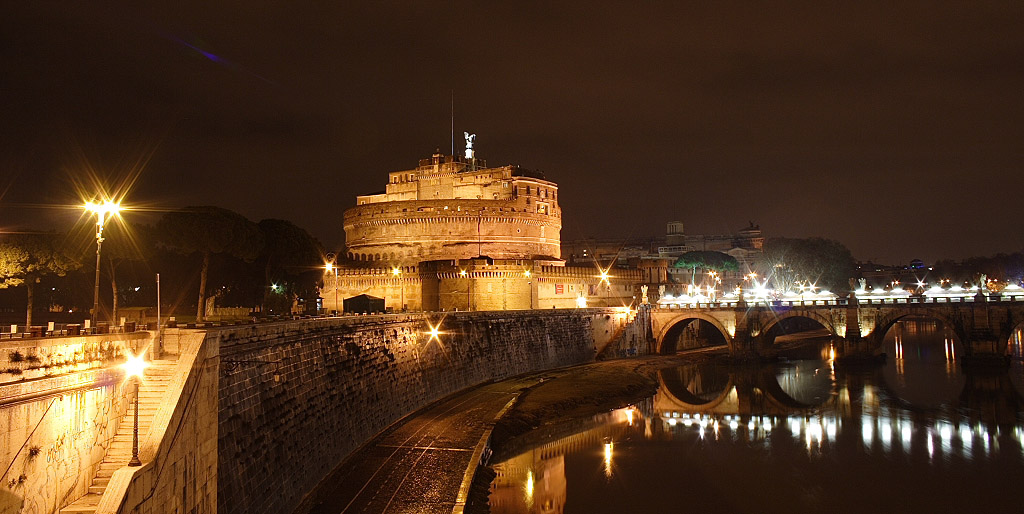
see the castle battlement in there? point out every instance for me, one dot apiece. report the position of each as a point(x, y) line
point(452, 208)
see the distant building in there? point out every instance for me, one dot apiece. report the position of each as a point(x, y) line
point(656, 255)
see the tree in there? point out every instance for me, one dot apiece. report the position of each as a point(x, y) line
point(209, 230)
point(288, 251)
point(26, 258)
point(123, 243)
point(708, 260)
point(824, 262)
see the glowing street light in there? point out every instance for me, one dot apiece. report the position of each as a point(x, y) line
point(397, 273)
point(133, 368)
point(434, 332)
point(330, 266)
point(103, 212)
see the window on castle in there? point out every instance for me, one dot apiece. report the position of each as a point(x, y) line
point(527, 190)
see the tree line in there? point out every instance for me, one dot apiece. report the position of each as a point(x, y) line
point(212, 251)
point(788, 262)
point(784, 263)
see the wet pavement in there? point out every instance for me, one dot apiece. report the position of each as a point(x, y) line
point(422, 464)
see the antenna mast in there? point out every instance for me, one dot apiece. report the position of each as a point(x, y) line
point(453, 122)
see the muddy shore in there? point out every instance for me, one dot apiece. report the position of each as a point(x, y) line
point(588, 389)
point(576, 392)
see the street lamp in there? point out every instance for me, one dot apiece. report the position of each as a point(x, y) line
point(103, 211)
point(529, 285)
point(469, 289)
point(330, 265)
point(133, 368)
point(397, 272)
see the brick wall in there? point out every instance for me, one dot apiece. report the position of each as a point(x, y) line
point(297, 398)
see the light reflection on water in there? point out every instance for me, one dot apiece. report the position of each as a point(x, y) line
point(918, 433)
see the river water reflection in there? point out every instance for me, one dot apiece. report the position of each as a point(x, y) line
point(917, 434)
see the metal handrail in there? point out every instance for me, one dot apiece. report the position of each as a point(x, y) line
point(27, 439)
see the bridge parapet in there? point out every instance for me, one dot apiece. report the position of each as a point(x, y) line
point(982, 325)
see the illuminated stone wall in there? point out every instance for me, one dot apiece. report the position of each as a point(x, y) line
point(454, 208)
point(297, 398)
point(424, 230)
point(59, 408)
point(179, 454)
point(484, 285)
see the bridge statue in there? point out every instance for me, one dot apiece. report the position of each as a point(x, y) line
point(643, 294)
point(863, 284)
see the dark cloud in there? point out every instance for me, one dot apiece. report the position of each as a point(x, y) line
point(894, 128)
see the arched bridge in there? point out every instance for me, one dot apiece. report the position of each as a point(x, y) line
point(982, 325)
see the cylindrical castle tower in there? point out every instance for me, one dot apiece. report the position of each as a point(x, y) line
point(450, 207)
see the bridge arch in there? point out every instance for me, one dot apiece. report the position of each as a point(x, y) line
point(1015, 349)
point(885, 323)
point(674, 328)
point(776, 382)
point(826, 322)
point(676, 383)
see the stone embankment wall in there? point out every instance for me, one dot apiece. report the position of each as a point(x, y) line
point(297, 398)
point(60, 403)
point(628, 334)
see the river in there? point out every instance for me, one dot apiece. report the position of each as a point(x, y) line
point(919, 433)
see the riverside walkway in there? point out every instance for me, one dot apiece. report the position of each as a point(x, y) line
point(424, 463)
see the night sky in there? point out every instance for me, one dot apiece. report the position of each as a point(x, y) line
point(894, 127)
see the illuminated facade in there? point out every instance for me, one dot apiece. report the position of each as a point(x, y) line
point(451, 207)
point(454, 234)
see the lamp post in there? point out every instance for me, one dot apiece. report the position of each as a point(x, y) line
point(102, 212)
point(529, 285)
point(330, 265)
point(397, 272)
point(133, 368)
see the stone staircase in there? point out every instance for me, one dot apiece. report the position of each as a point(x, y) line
point(151, 391)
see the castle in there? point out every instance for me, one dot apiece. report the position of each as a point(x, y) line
point(454, 234)
point(450, 207)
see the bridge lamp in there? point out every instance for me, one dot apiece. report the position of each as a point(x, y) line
point(103, 211)
point(604, 277)
point(462, 273)
point(133, 369)
point(526, 273)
